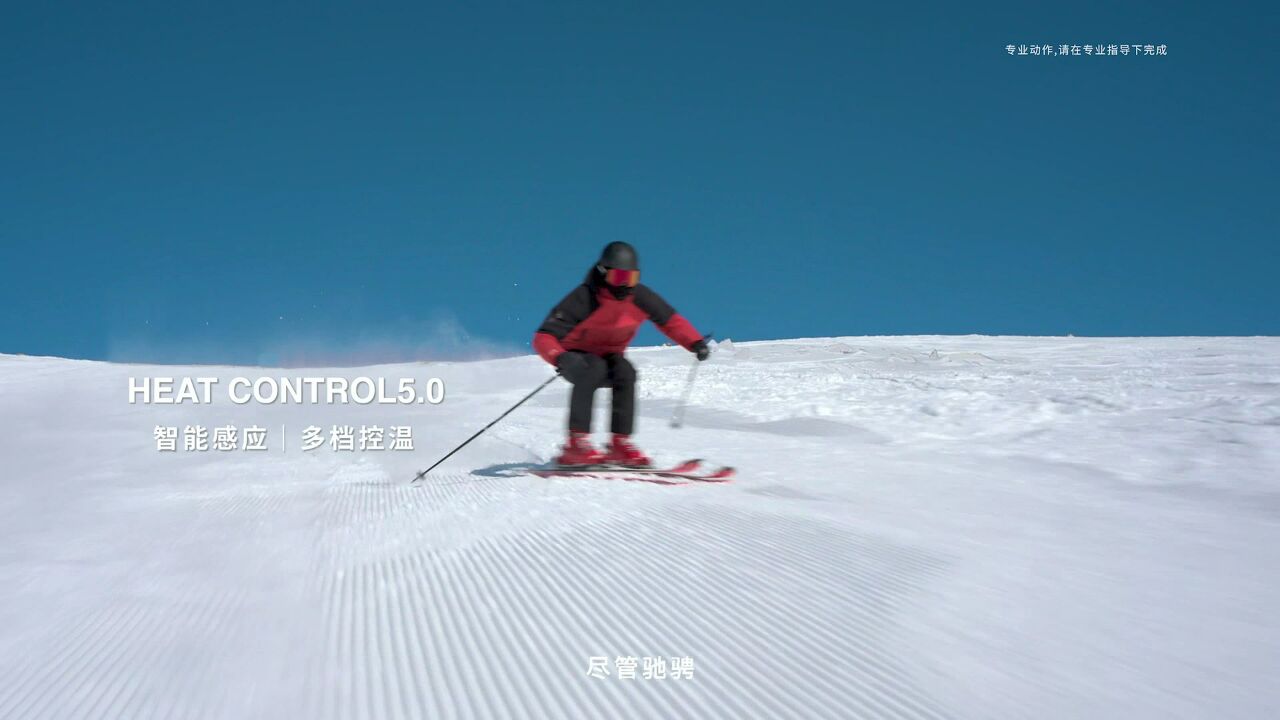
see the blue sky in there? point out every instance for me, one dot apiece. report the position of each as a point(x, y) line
point(306, 182)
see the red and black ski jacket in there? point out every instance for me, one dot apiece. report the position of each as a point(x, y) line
point(594, 320)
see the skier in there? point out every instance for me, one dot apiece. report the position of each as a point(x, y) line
point(585, 336)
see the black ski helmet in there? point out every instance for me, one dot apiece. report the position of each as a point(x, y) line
point(619, 256)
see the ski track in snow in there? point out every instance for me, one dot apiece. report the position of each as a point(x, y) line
point(922, 528)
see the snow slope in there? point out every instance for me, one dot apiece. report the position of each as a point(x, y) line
point(923, 527)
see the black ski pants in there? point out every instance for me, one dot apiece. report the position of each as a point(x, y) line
point(616, 372)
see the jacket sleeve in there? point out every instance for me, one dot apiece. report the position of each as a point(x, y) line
point(671, 323)
point(563, 318)
point(548, 347)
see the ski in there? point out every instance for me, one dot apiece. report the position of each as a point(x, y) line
point(687, 471)
point(686, 466)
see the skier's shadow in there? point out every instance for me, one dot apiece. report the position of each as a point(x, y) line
point(503, 470)
point(508, 470)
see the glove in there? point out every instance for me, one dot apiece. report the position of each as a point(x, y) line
point(701, 350)
point(572, 366)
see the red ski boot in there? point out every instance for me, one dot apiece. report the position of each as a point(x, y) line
point(622, 452)
point(578, 451)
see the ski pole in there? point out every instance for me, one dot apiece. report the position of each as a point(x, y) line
point(677, 417)
point(486, 427)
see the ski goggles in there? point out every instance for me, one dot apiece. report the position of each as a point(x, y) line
point(621, 278)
